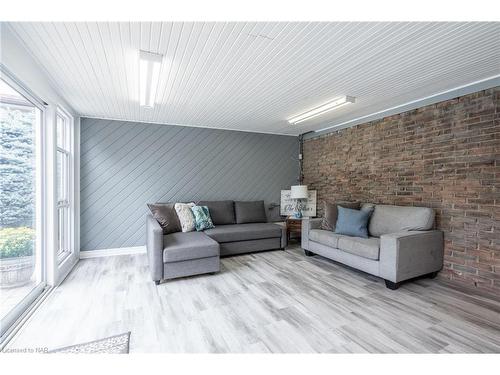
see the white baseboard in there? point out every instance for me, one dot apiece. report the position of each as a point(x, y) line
point(112, 252)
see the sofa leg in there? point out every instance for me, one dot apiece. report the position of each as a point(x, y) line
point(308, 253)
point(157, 282)
point(392, 286)
point(432, 275)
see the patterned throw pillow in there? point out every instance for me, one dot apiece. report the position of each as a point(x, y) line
point(186, 216)
point(202, 218)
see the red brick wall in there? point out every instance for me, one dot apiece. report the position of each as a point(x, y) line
point(445, 156)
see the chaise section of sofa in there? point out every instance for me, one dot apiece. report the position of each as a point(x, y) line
point(179, 254)
point(243, 227)
point(244, 238)
point(402, 244)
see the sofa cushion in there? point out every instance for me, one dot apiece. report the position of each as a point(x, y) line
point(391, 219)
point(166, 216)
point(324, 237)
point(187, 246)
point(367, 206)
point(185, 216)
point(244, 232)
point(273, 213)
point(330, 213)
point(202, 219)
point(250, 212)
point(221, 212)
point(352, 222)
point(363, 247)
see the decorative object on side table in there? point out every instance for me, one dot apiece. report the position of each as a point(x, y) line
point(287, 206)
point(299, 193)
point(293, 226)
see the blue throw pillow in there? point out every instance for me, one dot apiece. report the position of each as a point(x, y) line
point(202, 219)
point(352, 222)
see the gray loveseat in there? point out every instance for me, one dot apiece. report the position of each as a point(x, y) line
point(240, 227)
point(402, 244)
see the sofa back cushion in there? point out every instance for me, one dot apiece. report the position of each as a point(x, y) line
point(250, 212)
point(221, 212)
point(273, 213)
point(330, 213)
point(166, 216)
point(368, 206)
point(391, 219)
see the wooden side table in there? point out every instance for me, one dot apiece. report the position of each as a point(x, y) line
point(294, 226)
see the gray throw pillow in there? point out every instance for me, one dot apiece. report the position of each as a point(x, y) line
point(330, 213)
point(353, 222)
point(221, 212)
point(166, 216)
point(250, 212)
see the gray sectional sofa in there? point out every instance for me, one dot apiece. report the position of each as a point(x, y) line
point(402, 244)
point(240, 227)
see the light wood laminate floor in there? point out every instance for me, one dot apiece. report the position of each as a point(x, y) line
point(277, 301)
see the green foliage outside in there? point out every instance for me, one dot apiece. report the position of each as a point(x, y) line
point(16, 242)
point(17, 194)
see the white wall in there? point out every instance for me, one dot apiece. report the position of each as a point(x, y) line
point(17, 61)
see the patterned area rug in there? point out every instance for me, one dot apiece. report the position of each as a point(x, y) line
point(118, 344)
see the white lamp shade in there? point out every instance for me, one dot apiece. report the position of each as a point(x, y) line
point(299, 192)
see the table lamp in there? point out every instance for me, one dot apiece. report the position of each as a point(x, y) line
point(298, 193)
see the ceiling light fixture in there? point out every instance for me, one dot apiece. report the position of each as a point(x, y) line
point(327, 107)
point(149, 74)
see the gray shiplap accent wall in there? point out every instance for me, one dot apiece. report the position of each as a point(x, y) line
point(125, 165)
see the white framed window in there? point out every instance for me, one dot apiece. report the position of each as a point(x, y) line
point(64, 186)
point(22, 193)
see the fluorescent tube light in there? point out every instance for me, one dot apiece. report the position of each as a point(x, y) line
point(327, 107)
point(149, 74)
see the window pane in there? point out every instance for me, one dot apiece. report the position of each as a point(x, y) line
point(60, 230)
point(60, 176)
point(63, 185)
point(60, 132)
point(63, 234)
point(20, 261)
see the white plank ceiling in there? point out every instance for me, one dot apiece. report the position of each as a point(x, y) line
point(253, 76)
